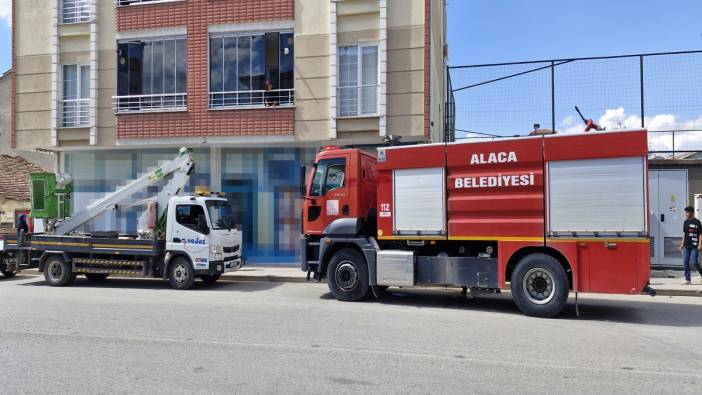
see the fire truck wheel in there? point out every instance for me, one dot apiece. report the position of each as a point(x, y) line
point(540, 286)
point(210, 278)
point(181, 274)
point(58, 272)
point(96, 277)
point(8, 274)
point(347, 276)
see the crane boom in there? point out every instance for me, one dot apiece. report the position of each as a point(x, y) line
point(179, 168)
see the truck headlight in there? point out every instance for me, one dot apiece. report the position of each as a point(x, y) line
point(216, 250)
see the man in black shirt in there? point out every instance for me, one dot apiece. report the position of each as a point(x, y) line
point(690, 246)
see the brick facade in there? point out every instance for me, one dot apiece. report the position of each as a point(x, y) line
point(199, 120)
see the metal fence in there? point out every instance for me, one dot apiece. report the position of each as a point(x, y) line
point(658, 91)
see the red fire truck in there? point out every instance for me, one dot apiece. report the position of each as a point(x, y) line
point(546, 214)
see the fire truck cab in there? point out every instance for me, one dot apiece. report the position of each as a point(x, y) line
point(545, 214)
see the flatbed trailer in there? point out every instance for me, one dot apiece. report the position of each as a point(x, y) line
point(98, 257)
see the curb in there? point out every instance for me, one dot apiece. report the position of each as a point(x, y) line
point(678, 292)
point(297, 279)
point(267, 278)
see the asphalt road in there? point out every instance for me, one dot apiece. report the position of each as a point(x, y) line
point(141, 336)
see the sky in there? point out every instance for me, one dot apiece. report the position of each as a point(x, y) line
point(5, 35)
point(497, 31)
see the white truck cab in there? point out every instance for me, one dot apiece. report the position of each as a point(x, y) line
point(201, 229)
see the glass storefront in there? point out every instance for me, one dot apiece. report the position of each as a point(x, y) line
point(263, 186)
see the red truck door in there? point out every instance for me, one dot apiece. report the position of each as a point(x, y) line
point(329, 194)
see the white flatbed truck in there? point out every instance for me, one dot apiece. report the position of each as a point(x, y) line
point(198, 237)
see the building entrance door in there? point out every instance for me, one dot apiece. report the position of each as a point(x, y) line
point(667, 198)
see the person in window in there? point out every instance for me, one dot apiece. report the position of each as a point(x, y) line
point(271, 100)
point(335, 179)
point(22, 225)
point(690, 246)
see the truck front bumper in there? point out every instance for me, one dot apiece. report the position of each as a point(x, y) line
point(229, 264)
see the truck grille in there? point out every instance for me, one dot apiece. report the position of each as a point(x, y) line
point(229, 250)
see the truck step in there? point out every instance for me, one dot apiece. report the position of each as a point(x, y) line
point(137, 273)
point(107, 262)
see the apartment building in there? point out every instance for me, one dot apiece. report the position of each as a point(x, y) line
point(255, 87)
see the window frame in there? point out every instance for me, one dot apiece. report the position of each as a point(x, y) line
point(237, 34)
point(327, 163)
point(359, 75)
point(118, 3)
point(77, 19)
point(194, 228)
point(78, 99)
point(179, 99)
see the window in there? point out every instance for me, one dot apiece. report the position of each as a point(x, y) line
point(137, 2)
point(358, 80)
point(251, 70)
point(189, 215)
point(335, 177)
point(75, 103)
point(152, 75)
point(220, 214)
point(75, 11)
point(329, 174)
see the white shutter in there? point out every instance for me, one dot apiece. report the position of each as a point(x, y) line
point(603, 196)
point(419, 201)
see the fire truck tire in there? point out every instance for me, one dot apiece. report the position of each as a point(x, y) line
point(96, 277)
point(8, 274)
point(57, 272)
point(181, 274)
point(347, 276)
point(540, 286)
point(210, 278)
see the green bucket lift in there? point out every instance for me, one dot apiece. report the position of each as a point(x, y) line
point(51, 195)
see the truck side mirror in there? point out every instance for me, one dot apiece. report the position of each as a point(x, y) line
point(202, 225)
point(304, 173)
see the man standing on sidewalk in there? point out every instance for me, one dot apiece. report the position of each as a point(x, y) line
point(690, 246)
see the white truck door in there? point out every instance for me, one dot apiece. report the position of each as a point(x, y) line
point(188, 236)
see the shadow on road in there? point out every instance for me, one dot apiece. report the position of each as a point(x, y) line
point(646, 311)
point(18, 277)
point(139, 283)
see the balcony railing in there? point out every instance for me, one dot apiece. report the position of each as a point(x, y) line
point(122, 3)
point(150, 103)
point(75, 113)
point(252, 99)
point(75, 11)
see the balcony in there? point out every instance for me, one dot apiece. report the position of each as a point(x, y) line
point(75, 113)
point(75, 11)
point(124, 3)
point(252, 99)
point(171, 102)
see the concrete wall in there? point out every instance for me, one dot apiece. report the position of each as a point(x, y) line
point(45, 161)
point(358, 21)
point(7, 211)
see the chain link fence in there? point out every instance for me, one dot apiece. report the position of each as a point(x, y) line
point(660, 91)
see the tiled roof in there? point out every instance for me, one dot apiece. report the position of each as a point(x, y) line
point(14, 177)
